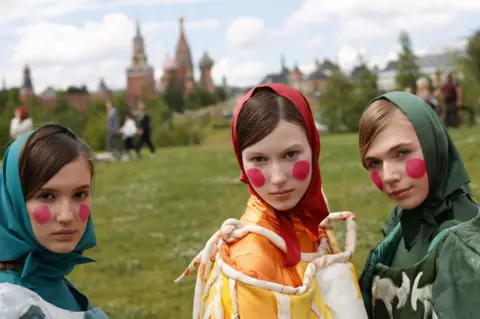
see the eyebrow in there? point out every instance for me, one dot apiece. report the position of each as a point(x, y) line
point(288, 149)
point(392, 149)
point(51, 189)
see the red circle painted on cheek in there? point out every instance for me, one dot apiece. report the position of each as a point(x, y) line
point(42, 215)
point(416, 168)
point(301, 170)
point(377, 180)
point(256, 177)
point(84, 212)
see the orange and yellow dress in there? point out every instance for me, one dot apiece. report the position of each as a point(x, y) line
point(241, 272)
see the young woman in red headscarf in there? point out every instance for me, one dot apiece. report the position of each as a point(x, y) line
point(280, 260)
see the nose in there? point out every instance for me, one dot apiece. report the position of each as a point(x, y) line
point(65, 211)
point(390, 173)
point(278, 176)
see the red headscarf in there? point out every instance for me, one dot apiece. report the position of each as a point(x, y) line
point(23, 112)
point(312, 208)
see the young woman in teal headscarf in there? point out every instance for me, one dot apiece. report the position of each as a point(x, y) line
point(45, 225)
point(428, 264)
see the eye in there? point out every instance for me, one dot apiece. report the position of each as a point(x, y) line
point(403, 153)
point(291, 154)
point(373, 164)
point(258, 159)
point(80, 195)
point(46, 196)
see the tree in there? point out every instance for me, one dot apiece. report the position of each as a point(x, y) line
point(469, 65)
point(336, 99)
point(407, 71)
point(364, 90)
point(173, 95)
point(220, 93)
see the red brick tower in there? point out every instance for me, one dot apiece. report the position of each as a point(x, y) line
point(183, 61)
point(140, 75)
point(26, 91)
point(206, 64)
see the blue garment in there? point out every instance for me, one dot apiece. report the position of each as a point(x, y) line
point(41, 270)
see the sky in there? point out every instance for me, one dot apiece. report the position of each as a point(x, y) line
point(67, 42)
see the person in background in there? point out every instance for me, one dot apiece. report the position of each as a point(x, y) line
point(21, 122)
point(128, 131)
point(113, 128)
point(452, 99)
point(144, 129)
point(423, 92)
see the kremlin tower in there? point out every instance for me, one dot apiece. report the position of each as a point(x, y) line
point(140, 75)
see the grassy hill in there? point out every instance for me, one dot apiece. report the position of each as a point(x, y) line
point(153, 215)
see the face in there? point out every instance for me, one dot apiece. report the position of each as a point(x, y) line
point(396, 163)
point(59, 211)
point(279, 167)
point(141, 107)
point(17, 113)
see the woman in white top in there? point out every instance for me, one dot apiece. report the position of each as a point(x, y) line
point(128, 131)
point(21, 123)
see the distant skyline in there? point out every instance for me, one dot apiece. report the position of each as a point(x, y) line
point(78, 42)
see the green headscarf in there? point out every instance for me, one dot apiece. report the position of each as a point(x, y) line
point(447, 176)
point(18, 243)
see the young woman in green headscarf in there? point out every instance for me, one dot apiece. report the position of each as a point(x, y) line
point(45, 225)
point(428, 264)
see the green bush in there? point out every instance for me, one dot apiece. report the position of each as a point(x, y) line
point(181, 133)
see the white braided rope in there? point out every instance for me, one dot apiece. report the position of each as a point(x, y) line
point(233, 230)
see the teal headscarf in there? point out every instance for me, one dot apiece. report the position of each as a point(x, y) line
point(17, 241)
point(447, 176)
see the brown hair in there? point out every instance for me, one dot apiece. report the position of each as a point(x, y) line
point(45, 152)
point(374, 119)
point(261, 114)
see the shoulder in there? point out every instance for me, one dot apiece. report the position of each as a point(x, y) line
point(256, 256)
point(457, 266)
point(462, 240)
point(15, 298)
point(19, 302)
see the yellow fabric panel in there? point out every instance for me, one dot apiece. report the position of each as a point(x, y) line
point(226, 297)
point(256, 303)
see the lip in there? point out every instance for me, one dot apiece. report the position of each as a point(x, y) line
point(65, 232)
point(282, 192)
point(400, 193)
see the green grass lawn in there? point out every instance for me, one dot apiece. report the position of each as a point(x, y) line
point(153, 215)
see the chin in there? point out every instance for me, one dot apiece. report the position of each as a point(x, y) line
point(62, 248)
point(286, 205)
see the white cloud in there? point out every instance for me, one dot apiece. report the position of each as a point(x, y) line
point(39, 9)
point(245, 31)
point(362, 29)
point(72, 44)
point(315, 42)
point(348, 56)
point(205, 24)
point(44, 9)
point(239, 72)
point(61, 54)
point(374, 19)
